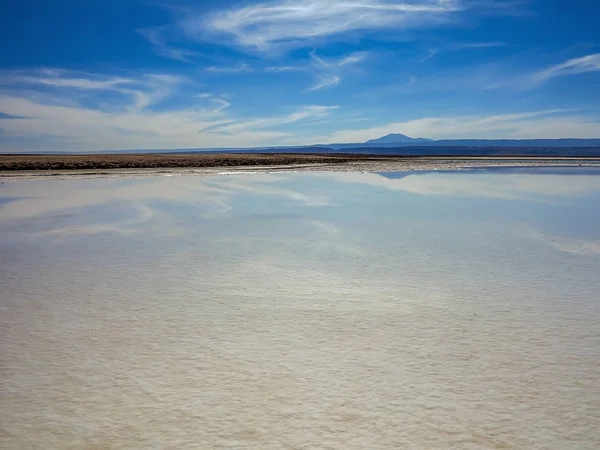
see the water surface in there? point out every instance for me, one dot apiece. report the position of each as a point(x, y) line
point(296, 311)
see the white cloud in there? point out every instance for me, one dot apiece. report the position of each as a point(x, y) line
point(307, 112)
point(330, 72)
point(91, 112)
point(143, 91)
point(283, 69)
point(159, 44)
point(155, 89)
point(48, 123)
point(61, 78)
point(324, 82)
point(539, 124)
point(282, 24)
point(318, 60)
point(353, 58)
point(589, 63)
point(476, 45)
point(346, 60)
point(430, 54)
point(242, 68)
point(79, 83)
point(456, 46)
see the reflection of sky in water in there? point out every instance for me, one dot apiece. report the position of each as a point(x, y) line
point(342, 310)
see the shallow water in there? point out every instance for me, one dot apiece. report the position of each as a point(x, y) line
point(297, 311)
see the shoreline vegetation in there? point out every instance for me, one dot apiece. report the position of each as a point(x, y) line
point(45, 164)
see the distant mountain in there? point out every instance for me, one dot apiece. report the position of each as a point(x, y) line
point(401, 140)
point(397, 138)
point(519, 142)
point(402, 145)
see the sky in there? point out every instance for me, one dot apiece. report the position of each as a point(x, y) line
point(98, 75)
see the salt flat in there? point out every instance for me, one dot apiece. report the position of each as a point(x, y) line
point(302, 311)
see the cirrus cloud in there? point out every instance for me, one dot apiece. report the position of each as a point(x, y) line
point(589, 63)
point(74, 117)
point(284, 24)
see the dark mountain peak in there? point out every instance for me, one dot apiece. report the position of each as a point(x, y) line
point(393, 137)
point(396, 138)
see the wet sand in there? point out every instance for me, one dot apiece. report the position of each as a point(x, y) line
point(151, 164)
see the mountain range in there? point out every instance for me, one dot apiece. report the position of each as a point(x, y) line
point(402, 145)
point(401, 140)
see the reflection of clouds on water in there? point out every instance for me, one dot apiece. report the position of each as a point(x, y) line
point(500, 186)
point(169, 206)
point(325, 227)
point(51, 197)
point(144, 218)
point(571, 245)
point(575, 246)
point(525, 187)
point(268, 187)
point(139, 200)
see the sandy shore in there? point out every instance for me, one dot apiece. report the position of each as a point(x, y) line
point(152, 164)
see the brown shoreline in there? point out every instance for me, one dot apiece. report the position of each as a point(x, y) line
point(12, 162)
point(159, 160)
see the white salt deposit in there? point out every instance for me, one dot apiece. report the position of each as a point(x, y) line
point(298, 312)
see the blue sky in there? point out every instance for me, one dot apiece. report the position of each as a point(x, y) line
point(142, 74)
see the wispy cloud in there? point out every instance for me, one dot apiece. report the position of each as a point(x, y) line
point(242, 68)
point(549, 124)
point(477, 45)
point(155, 36)
point(324, 82)
point(282, 24)
point(458, 46)
point(319, 61)
point(353, 58)
point(307, 112)
point(44, 121)
point(223, 104)
point(283, 68)
point(61, 78)
point(589, 63)
point(330, 71)
point(430, 54)
point(143, 91)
